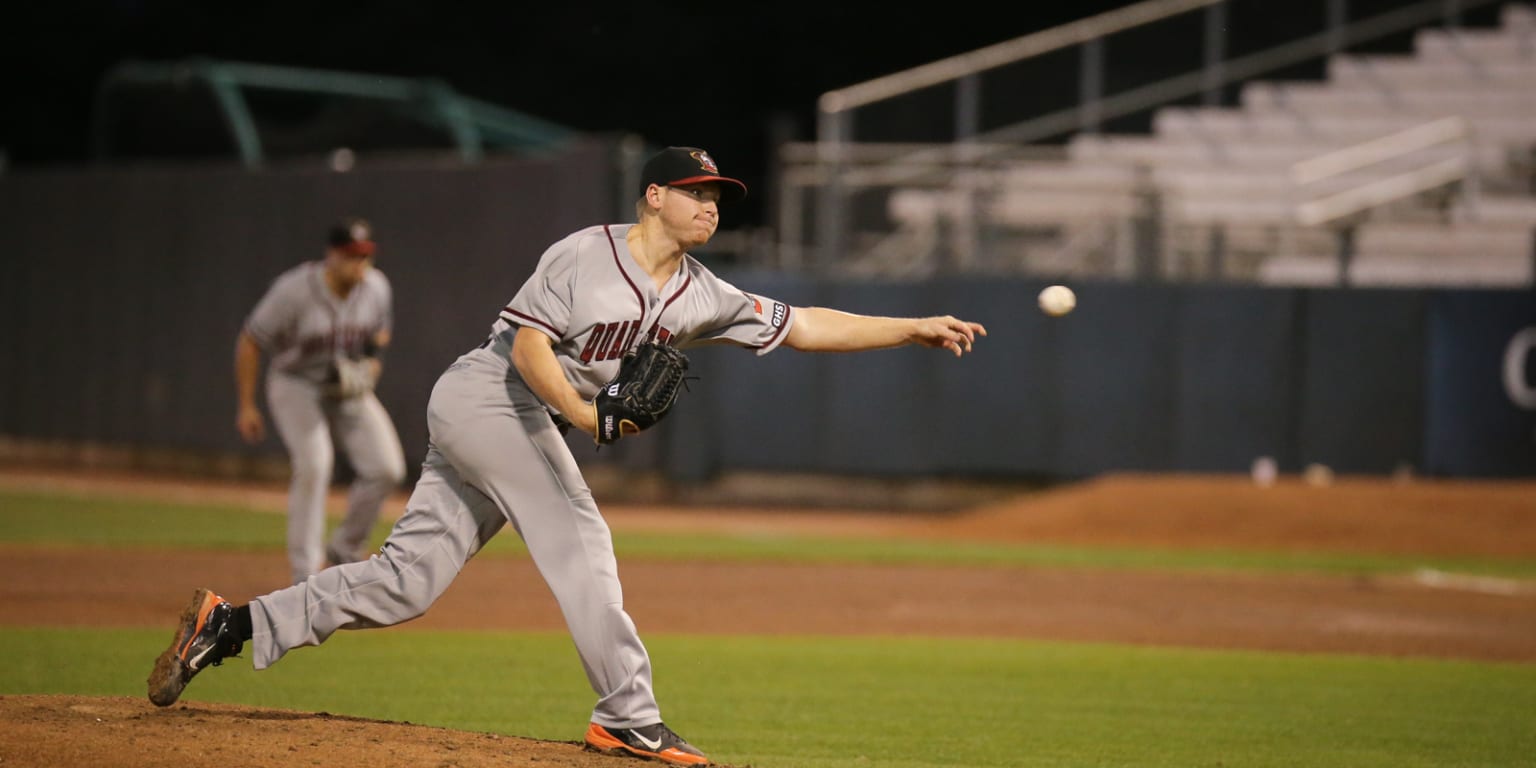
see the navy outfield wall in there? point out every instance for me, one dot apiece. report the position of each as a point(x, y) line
point(121, 293)
point(1140, 377)
point(1481, 420)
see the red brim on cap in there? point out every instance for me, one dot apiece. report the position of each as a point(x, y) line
point(728, 193)
point(359, 248)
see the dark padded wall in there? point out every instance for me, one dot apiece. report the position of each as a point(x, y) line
point(122, 291)
point(1482, 384)
point(1361, 408)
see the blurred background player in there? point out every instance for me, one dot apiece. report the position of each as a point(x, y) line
point(324, 325)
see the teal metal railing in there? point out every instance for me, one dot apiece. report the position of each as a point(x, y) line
point(474, 126)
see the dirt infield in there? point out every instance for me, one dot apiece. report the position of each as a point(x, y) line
point(1434, 615)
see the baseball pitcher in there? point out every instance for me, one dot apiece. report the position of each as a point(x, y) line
point(590, 342)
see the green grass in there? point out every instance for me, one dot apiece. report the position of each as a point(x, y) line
point(801, 702)
point(65, 520)
point(818, 702)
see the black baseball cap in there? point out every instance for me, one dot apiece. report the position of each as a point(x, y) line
point(353, 236)
point(675, 166)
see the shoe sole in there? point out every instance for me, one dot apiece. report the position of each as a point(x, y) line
point(601, 742)
point(170, 675)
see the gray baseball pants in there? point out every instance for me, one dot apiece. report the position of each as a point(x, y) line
point(311, 426)
point(494, 456)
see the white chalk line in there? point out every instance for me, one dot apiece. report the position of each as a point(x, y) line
point(1488, 585)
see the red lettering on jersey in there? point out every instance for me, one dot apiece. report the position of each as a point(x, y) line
point(598, 342)
point(610, 341)
point(616, 350)
point(349, 340)
point(594, 343)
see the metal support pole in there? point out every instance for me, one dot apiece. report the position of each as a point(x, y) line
point(1216, 255)
point(1452, 13)
point(1338, 19)
point(237, 116)
point(833, 129)
point(967, 107)
point(1091, 86)
point(1215, 54)
point(449, 108)
point(792, 244)
point(1147, 228)
point(628, 157)
point(1346, 252)
point(967, 122)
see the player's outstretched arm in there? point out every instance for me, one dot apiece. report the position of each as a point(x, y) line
point(818, 329)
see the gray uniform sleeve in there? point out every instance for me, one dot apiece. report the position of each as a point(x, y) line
point(544, 301)
point(745, 319)
point(271, 323)
point(387, 294)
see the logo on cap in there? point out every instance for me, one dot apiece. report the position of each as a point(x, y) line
point(705, 161)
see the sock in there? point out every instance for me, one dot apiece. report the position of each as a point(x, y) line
point(243, 623)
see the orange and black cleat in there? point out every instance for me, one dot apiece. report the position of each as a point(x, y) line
point(651, 742)
point(205, 637)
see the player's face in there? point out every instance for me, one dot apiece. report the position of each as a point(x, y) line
point(347, 267)
point(692, 212)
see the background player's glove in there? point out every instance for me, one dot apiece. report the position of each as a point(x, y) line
point(641, 394)
point(351, 377)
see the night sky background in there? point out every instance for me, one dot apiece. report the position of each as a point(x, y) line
point(727, 76)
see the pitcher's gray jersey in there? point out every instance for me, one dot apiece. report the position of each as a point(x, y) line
point(491, 460)
point(590, 296)
point(303, 326)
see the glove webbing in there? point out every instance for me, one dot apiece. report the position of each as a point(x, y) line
point(660, 389)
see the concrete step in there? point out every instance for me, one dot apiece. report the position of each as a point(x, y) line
point(1477, 46)
point(1298, 270)
point(1275, 155)
point(1448, 240)
point(1217, 124)
point(1406, 73)
point(1472, 270)
point(1471, 100)
point(1504, 210)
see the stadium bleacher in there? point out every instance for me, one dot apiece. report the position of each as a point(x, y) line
point(1395, 170)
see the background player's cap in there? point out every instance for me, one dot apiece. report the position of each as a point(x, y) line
point(353, 236)
point(688, 165)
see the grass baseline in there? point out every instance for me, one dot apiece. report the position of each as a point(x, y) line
point(873, 701)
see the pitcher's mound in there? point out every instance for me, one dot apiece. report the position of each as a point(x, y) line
point(49, 731)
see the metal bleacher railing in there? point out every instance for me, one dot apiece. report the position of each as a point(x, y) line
point(1293, 170)
point(470, 126)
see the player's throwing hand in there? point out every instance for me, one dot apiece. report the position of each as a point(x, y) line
point(949, 333)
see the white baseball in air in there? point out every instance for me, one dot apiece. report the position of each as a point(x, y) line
point(1057, 300)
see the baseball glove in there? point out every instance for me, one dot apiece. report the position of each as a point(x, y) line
point(642, 392)
point(351, 377)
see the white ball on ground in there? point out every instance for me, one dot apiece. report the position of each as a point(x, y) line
point(1057, 300)
point(1265, 471)
point(1318, 475)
